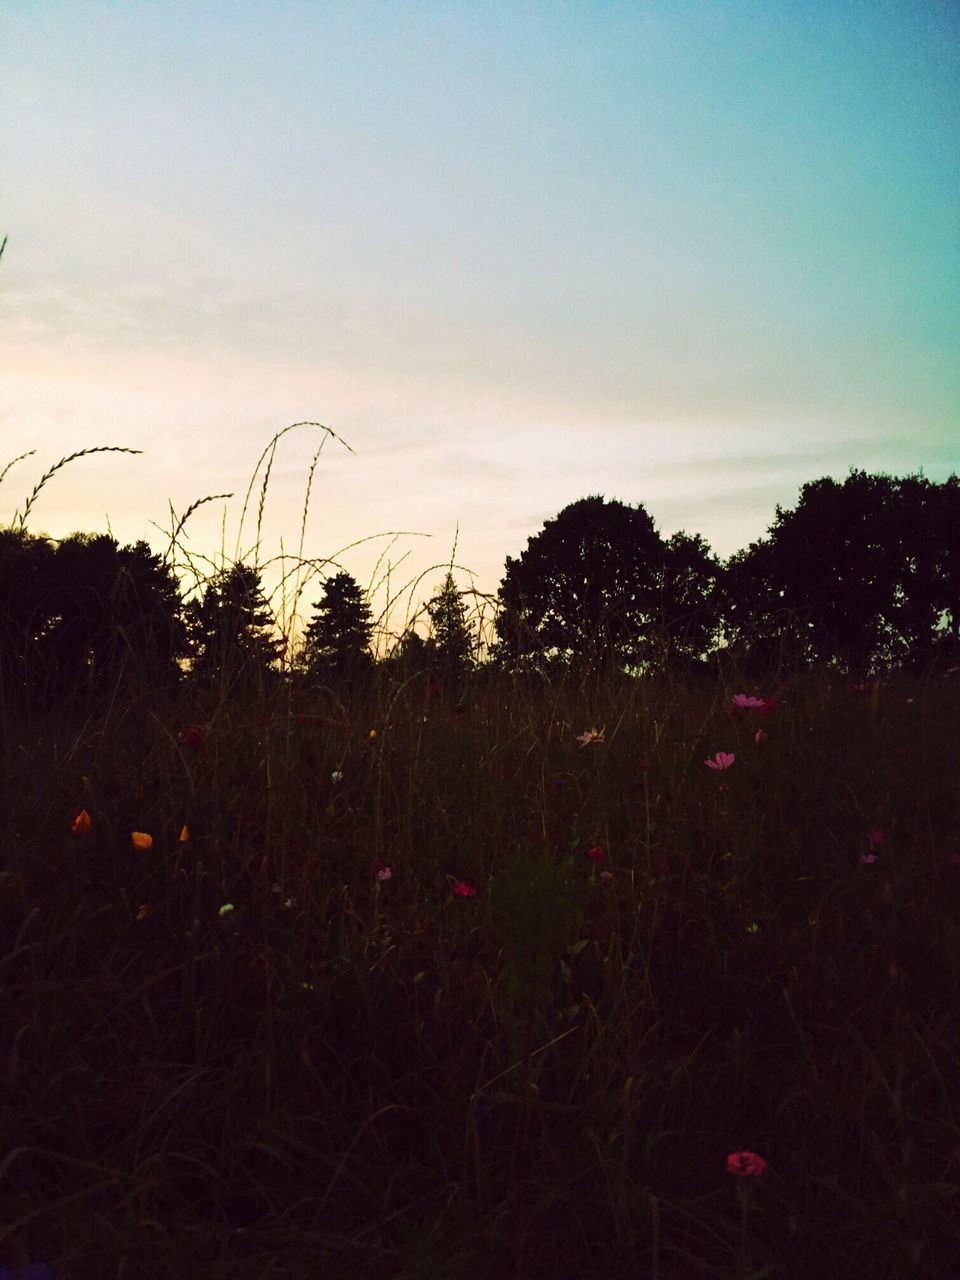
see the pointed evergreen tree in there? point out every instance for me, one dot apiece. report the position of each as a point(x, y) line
point(337, 638)
point(230, 630)
point(452, 637)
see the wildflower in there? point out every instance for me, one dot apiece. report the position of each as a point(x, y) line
point(591, 737)
point(596, 854)
point(372, 735)
point(143, 911)
point(753, 928)
point(384, 874)
point(876, 839)
point(192, 737)
point(141, 840)
point(290, 903)
point(745, 1164)
point(184, 835)
point(759, 737)
point(747, 700)
point(336, 776)
point(226, 909)
point(868, 857)
point(722, 760)
point(766, 706)
point(82, 824)
point(464, 890)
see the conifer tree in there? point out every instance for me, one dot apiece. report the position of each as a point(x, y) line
point(452, 638)
point(337, 638)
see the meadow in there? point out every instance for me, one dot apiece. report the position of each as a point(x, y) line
point(431, 981)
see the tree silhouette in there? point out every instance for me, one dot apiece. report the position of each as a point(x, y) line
point(690, 602)
point(857, 576)
point(451, 643)
point(337, 638)
point(26, 580)
point(120, 612)
point(231, 631)
point(585, 591)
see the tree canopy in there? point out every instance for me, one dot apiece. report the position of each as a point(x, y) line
point(598, 585)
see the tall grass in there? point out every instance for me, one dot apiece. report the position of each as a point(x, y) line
point(246, 1055)
point(543, 1080)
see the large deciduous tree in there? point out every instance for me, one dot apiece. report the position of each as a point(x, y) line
point(115, 614)
point(586, 591)
point(857, 576)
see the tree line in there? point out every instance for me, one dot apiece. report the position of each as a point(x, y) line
point(862, 576)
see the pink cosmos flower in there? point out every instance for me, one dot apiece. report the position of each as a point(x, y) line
point(722, 760)
point(384, 873)
point(759, 737)
point(592, 737)
point(868, 857)
point(464, 890)
point(596, 854)
point(747, 700)
point(745, 1164)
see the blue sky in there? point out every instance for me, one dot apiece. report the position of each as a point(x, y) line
point(684, 254)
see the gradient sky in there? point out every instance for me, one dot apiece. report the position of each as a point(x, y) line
point(689, 255)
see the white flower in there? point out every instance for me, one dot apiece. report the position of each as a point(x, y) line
point(226, 909)
point(336, 776)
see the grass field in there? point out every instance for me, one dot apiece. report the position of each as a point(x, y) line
point(254, 1053)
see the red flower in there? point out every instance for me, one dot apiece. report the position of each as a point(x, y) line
point(464, 890)
point(745, 1164)
point(596, 854)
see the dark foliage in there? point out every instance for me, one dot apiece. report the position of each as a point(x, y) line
point(85, 616)
point(230, 630)
point(337, 638)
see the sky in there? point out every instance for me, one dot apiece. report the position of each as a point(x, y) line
point(682, 254)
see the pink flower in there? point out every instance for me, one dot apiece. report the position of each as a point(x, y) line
point(747, 700)
point(868, 857)
point(722, 760)
point(596, 854)
point(384, 873)
point(876, 839)
point(745, 1164)
point(759, 737)
point(464, 890)
point(592, 737)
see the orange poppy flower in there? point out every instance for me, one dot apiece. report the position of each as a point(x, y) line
point(82, 824)
point(141, 840)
